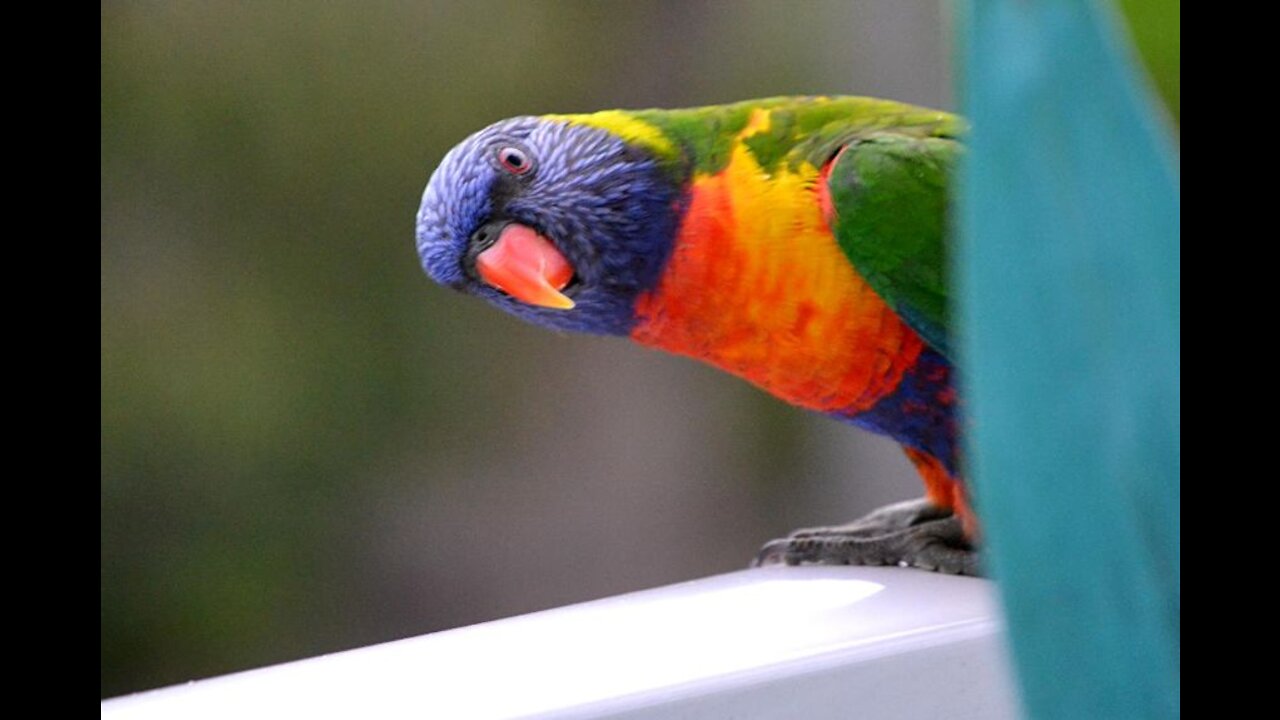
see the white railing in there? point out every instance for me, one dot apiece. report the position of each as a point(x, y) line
point(801, 642)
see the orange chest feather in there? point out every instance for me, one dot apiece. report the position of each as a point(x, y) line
point(756, 285)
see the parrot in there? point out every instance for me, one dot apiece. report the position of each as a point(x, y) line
point(800, 243)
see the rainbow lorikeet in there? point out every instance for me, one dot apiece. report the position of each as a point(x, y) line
point(797, 242)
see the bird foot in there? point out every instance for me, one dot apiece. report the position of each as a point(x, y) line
point(915, 533)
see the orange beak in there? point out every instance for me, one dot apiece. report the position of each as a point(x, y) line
point(526, 266)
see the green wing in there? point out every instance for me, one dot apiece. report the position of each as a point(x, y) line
point(889, 191)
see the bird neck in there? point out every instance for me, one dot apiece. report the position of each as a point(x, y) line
point(757, 286)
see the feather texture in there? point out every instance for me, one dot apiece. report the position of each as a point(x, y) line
point(799, 243)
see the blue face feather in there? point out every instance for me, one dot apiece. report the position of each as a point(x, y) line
point(604, 204)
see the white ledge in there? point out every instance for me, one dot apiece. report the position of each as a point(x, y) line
point(801, 642)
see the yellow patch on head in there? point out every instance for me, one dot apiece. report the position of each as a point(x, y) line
point(758, 123)
point(625, 126)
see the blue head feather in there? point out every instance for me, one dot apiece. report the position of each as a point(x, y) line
point(606, 205)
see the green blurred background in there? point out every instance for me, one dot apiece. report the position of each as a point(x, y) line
point(306, 446)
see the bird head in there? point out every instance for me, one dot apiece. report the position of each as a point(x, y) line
point(559, 223)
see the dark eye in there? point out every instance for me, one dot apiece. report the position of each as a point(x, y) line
point(514, 160)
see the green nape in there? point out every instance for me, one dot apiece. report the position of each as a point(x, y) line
point(693, 141)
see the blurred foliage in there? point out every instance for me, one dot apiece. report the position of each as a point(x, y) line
point(1156, 29)
point(1069, 276)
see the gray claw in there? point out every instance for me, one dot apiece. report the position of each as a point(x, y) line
point(911, 534)
point(774, 552)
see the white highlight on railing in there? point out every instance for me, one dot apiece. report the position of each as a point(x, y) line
point(804, 642)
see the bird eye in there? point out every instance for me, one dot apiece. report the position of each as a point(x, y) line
point(514, 160)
